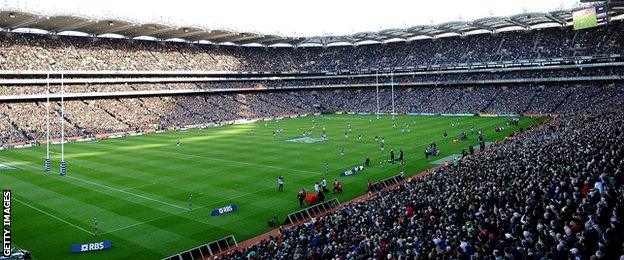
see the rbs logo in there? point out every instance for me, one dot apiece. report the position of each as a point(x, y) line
point(79, 248)
point(224, 210)
point(92, 246)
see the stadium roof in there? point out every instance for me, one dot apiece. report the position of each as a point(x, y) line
point(12, 20)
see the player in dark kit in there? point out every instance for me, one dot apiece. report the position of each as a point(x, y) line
point(391, 156)
point(280, 183)
point(95, 226)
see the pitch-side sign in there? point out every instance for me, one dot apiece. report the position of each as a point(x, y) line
point(96, 246)
point(224, 210)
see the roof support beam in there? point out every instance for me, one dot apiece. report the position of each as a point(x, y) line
point(447, 29)
point(487, 27)
point(262, 40)
point(293, 42)
point(510, 20)
point(278, 42)
point(246, 38)
point(74, 26)
point(157, 31)
point(233, 38)
point(420, 32)
point(219, 36)
point(28, 22)
point(311, 40)
point(394, 34)
point(117, 29)
point(189, 34)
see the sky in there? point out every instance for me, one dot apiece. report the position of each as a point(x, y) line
point(289, 17)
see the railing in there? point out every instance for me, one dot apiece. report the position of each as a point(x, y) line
point(311, 211)
point(382, 184)
point(207, 250)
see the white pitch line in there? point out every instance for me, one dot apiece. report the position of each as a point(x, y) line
point(108, 187)
point(139, 186)
point(126, 192)
point(252, 164)
point(198, 208)
point(9, 162)
point(53, 216)
point(153, 219)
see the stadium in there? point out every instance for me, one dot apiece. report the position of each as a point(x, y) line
point(496, 136)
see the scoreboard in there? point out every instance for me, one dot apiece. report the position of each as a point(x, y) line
point(589, 17)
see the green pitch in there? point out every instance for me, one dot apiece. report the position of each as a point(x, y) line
point(139, 187)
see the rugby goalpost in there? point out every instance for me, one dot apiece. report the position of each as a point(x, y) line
point(63, 169)
point(47, 160)
point(377, 87)
point(46, 164)
point(392, 91)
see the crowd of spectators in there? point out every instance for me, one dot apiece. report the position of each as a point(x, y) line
point(554, 191)
point(42, 52)
point(26, 121)
point(449, 78)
